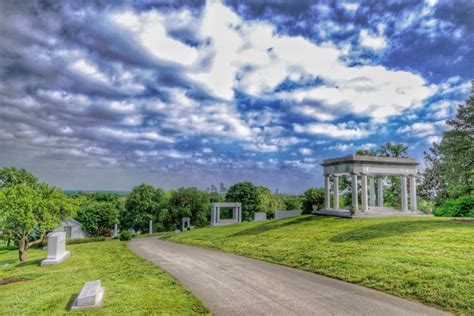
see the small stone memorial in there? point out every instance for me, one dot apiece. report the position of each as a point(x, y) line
point(56, 249)
point(260, 216)
point(185, 224)
point(91, 295)
point(286, 214)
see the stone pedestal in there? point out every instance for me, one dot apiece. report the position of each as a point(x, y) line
point(56, 249)
point(185, 224)
point(259, 216)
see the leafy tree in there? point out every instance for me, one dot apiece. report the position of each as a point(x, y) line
point(142, 205)
point(293, 202)
point(269, 202)
point(98, 217)
point(449, 172)
point(313, 198)
point(186, 202)
point(393, 150)
point(247, 194)
point(35, 209)
point(12, 176)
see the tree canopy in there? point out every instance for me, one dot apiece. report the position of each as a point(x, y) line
point(142, 205)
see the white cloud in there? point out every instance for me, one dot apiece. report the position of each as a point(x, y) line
point(342, 130)
point(419, 129)
point(342, 147)
point(372, 41)
point(305, 151)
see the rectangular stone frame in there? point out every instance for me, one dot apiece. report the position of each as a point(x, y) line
point(236, 213)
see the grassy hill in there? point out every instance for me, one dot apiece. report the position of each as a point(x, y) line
point(426, 259)
point(132, 285)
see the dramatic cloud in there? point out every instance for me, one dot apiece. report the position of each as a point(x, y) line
point(103, 96)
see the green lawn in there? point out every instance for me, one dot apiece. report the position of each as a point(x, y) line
point(426, 259)
point(132, 285)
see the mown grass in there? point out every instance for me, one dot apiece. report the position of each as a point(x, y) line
point(426, 259)
point(133, 286)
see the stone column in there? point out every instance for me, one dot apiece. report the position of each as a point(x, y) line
point(218, 214)
point(365, 206)
point(403, 181)
point(150, 227)
point(380, 191)
point(239, 208)
point(327, 193)
point(355, 198)
point(336, 192)
point(372, 191)
point(413, 193)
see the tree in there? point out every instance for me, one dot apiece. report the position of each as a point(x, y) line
point(186, 202)
point(393, 150)
point(293, 202)
point(245, 193)
point(142, 205)
point(269, 202)
point(12, 176)
point(98, 217)
point(449, 172)
point(313, 198)
point(32, 208)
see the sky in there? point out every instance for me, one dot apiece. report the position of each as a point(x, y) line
point(98, 95)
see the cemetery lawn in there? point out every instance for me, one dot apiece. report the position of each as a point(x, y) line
point(132, 285)
point(430, 260)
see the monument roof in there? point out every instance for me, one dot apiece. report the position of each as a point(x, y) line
point(354, 159)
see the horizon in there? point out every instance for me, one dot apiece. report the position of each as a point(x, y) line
point(187, 95)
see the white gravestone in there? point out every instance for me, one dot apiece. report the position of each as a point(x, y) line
point(260, 216)
point(185, 224)
point(56, 249)
point(286, 214)
point(91, 295)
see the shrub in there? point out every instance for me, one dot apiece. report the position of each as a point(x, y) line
point(74, 241)
point(460, 207)
point(125, 235)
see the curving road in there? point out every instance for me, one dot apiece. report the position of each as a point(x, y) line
point(232, 285)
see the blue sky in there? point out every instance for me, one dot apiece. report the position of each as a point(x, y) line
point(108, 95)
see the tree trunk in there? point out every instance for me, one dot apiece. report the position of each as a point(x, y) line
point(22, 249)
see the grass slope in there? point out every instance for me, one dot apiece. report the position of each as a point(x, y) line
point(132, 285)
point(426, 259)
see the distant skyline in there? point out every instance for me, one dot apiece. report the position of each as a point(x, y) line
point(176, 94)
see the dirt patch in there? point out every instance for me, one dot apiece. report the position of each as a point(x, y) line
point(12, 280)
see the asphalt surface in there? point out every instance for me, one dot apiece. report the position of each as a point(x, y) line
point(232, 285)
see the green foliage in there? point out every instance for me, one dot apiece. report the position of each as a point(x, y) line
point(185, 202)
point(450, 165)
point(247, 194)
point(125, 235)
point(29, 209)
point(313, 199)
point(293, 202)
point(459, 207)
point(393, 150)
point(74, 241)
point(269, 202)
point(143, 204)
point(13, 176)
point(98, 217)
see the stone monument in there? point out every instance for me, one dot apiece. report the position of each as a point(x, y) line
point(91, 295)
point(216, 213)
point(286, 214)
point(185, 224)
point(56, 249)
point(260, 216)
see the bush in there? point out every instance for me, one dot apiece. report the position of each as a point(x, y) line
point(73, 241)
point(460, 207)
point(125, 235)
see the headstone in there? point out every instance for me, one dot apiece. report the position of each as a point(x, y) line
point(115, 230)
point(150, 228)
point(177, 231)
point(91, 295)
point(56, 249)
point(286, 214)
point(185, 224)
point(260, 216)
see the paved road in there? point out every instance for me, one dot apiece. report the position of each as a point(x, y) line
point(233, 285)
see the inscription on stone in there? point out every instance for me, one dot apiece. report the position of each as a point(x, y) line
point(91, 295)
